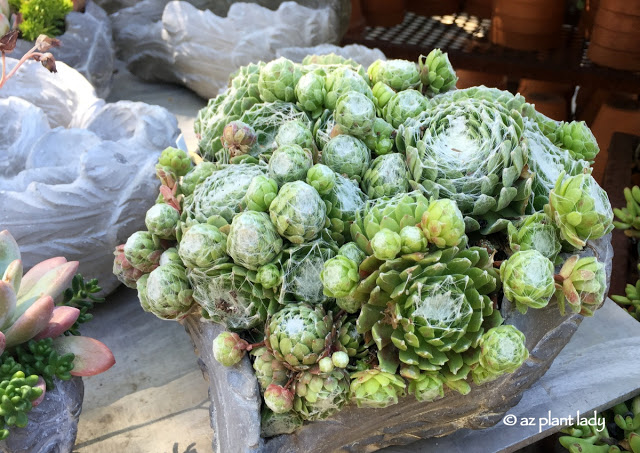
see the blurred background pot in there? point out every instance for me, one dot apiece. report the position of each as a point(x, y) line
point(526, 24)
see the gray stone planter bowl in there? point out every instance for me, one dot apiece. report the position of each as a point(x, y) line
point(53, 424)
point(235, 396)
point(86, 45)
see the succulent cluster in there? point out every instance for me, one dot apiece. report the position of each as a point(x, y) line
point(356, 230)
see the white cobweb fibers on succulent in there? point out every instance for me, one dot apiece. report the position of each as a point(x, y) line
point(301, 273)
point(267, 118)
point(443, 305)
point(540, 238)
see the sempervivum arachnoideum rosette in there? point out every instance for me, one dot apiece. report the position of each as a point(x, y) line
point(368, 234)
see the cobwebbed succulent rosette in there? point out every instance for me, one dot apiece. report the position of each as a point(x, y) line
point(344, 201)
point(387, 176)
point(222, 193)
point(413, 240)
point(436, 73)
point(404, 105)
point(203, 245)
point(381, 138)
point(355, 114)
point(295, 133)
point(535, 232)
point(442, 223)
point(344, 80)
point(278, 80)
point(268, 369)
point(502, 350)
point(298, 212)
point(253, 240)
point(290, 163)
point(301, 272)
point(229, 348)
point(580, 208)
point(260, 193)
point(324, 129)
point(353, 252)
point(349, 340)
point(123, 270)
point(321, 178)
point(577, 138)
point(383, 94)
point(297, 335)
point(319, 396)
point(197, 174)
point(174, 160)
point(272, 424)
point(168, 294)
point(471, 151)
point(237, 139)
point(527, 279)
point(347, 156)
point(581, 285)
point(310, 93)
point(397, 74)
point(229, 294)
point(143, 251)
point(339, 276)
point(376, 389)
point(386, 244)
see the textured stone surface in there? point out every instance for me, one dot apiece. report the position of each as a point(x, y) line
point(365, 430)
point(199, 49)
point(53, 424)
point(86, 45)
point(79, 171)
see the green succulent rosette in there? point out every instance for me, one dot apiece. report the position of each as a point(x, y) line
point(581, 285)
point(580, 208)
point(168, 294)
point(321, 178)
point(382, 93)
point(143, 251)
point(535, 232)
point(376, 389)
point(381, 138)
point(296, 334)
point(343, 203)
point(141, 286)
point(170, 256)
point(471, 151)
point(229, 294)
point(347, 156)
point(344, 80)
point(290, 163)
point(268, 369)
point(253, 240)
point(197, 174)
point(237, 139)
point(310, 93)
point(442, 223)
point(436, 73)
point(577, 138)
point(527, 279)
point(222, 193)
point(161, 220)
point(278, 80)
point(355, 113)
point(349, 340)
point(387, 176)
point(269, 276)
point(202, 245)
point(176, 160)
point(404, 105)
point(295, 133)
point(413, 240)
point(397, 74)
point(386, 244)
point(319, 396)
point(260, 193)
point(298, 212)
point(353, 252)
point(272, 424)
point(339, 276)
point(427, 387)
point(228, 348)
point(502, 351)
point(431, 307)
point(324, 128)
point(301, 272)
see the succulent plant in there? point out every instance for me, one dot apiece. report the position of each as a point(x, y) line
point(344, 80)
point(253, 240)
point(279, 399)
point(202, 245)
point(343, 203)
point(260, 193)
point(228, 348)
point(168, 294)
point(321, 178)
point(298, 212)
point(502, 350)
point(310, 93)
point(353, 252)
point(382, 93)
point(397, 74)
point(404, 105)
point(268, 369)
point(123, 269)
point(143, 251)
point(170, 255)
point(527, 279)
point(318, 396)
point(376, 389)
point(436, 73)
point(296, 334)
point(290, 163)
point(536, 232)
point(386, 244)
point(442, 223)
point(387, 176)
point(269, 276)
point(355, 113)
point(195, 176)
point(175, 160)
point(238, 138)
point(581, 284)
point(278, 80)
point(339, 276)
point(381, 138)
point(580, 208)
point(161, 220)
point(629, 216)
point(347, 156)
point(295, 133)
point(412, 240)
point(272, 424)
point(577, 138)
point(426, 387)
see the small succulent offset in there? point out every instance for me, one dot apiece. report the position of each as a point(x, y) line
point(527, 278)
